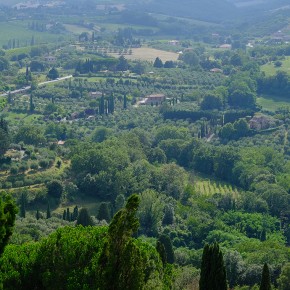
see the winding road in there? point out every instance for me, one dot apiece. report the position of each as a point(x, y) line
point(40, 84)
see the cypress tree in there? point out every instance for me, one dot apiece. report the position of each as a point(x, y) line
point(213, 272)
point(75, 213)
point(67, 215)
point(161, 251)
point(125, 102)
point(23, 206)
point(263, 236)
point(37, 215)
point(265, 281)
point(166, 242)
point(104, 213)
point(102, 105)
point(168, 215)
point(48, 213)
point(84, 218)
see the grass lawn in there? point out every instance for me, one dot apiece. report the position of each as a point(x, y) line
point(269, 68)
point(272, 103)
point(149, 54)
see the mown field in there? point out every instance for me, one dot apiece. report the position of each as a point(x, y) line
point(270, 69)
point(272, 103)
point(149, 54)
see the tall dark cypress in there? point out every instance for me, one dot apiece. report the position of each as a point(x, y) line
point(48, 213)
point(265, 281)
point(102, 105)
point(23, 206)
point(125, 102)
point(213, 272)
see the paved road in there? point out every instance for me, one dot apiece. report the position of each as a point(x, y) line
point(40, 84)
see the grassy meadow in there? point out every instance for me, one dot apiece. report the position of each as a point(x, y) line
point(270, 69)
point(272, 103)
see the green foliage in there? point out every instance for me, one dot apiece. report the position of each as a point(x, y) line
point(8, 212)
point(53, 74)
point(284, 279)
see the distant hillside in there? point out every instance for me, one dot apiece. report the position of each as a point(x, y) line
point(210, 10)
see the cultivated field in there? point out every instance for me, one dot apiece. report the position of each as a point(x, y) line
point(149, 54)
point(210, 187)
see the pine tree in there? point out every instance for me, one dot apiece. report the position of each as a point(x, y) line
point(265, 281)
point(48, 213)
point(213, 273)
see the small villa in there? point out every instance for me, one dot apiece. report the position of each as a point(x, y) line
point(153, 100)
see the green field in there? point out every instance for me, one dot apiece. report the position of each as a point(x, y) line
point(272, 103)
point(269, 68)
point(18, 30)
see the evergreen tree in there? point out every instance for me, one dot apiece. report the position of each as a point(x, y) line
point(23, 205)
point(158, 63)
point(64, 215)
point(121, 265)
point(68, 214)
point(119, 202)
point(8, 212)
point(161, 251)
point(37, 215)
point(84, 218)
point(263, 236)
point(48, 213)
point(213, 273)
point(166, 242)
point(168, 217)
point(102, 105)
point(265, 281)
point(125, 102)
point(103, 213)
point(75, 213)
point(31, 104)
